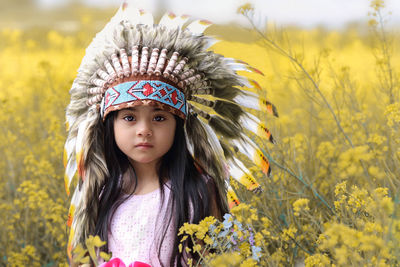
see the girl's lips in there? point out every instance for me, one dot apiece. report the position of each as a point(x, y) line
point(144, 145)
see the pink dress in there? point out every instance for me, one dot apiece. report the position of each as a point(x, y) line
point(137, 226)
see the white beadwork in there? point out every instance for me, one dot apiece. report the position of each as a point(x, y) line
point(161, 61)
point(180, 66)
point(125, 63)
point(110, 70)
point(104, 75)
point(117, 66)
point(98, 82)
point(144, 59)
point(135, 60)
point(171, 64)
point(153, 61)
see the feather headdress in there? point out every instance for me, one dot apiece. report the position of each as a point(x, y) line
point(134, 62)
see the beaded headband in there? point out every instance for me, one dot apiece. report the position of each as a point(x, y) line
point(144, 92)
point(142, 80)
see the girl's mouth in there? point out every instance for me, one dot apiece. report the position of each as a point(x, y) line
point(144, 145)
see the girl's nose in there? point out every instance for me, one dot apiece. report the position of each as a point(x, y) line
point(144, 129)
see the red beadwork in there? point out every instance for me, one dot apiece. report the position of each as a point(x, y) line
point(148, 89)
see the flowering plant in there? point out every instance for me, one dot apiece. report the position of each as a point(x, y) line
point(233, 236)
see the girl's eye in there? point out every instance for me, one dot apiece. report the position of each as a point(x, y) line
point(129, 118)
point(159, 118)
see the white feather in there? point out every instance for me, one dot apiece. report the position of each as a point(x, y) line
point(69, 147)
point(248, 100)
point(70, 171)
point(81, 134)
point(131, 14)
point(249, 83)
point(197, 27)
point(181, 20)
point(146, 18)
point(170, 21)
point(249, 122)
point(213, 139)
point(211, 42)
point(240, 173)
point(236, 168)
point(238, 67)
point(246, 149)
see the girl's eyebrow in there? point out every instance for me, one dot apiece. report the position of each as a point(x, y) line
point(134, 109)
point(130, 109)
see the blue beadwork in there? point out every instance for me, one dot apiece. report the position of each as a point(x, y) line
point(145, 90)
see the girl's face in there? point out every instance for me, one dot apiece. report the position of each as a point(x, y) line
point(144, 133)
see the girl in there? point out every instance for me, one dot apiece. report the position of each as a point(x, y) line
point(153, 116)
point(138, 213)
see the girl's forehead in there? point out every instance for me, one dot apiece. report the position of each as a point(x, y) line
point(143, 108)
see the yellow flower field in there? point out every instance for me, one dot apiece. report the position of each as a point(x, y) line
point(332, 198)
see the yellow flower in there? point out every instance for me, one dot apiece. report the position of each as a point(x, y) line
point(299, 205)
point(248, 263)
point(243, 9)
point(208, 240)
point(377, 4)
point(340, 188)
point(197, 248)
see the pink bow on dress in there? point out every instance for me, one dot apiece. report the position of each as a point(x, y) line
point(117, 262)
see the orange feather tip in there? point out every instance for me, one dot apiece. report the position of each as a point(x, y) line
point(124, 5)
point(205, 22)
point(270, 109)
point(80, 165)
point(171, 15)
point(241, 61)
point(69, 252)
point(185, 16)
point(232, 199)
point(261, 161)
point(250, 182)
point(267, 106)
point(255, 70)
point(70, 215)
point(142, 12)
point(255, 84)
point(253, 186)
point(263, 132)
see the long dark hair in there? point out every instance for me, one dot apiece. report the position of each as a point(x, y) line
point(193, 197)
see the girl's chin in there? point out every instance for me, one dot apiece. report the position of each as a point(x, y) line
point(143, 160)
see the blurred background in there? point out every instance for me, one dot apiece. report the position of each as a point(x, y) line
point(64, 14)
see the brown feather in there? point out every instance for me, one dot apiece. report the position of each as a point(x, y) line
point(225, 128)
point(228, 110)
